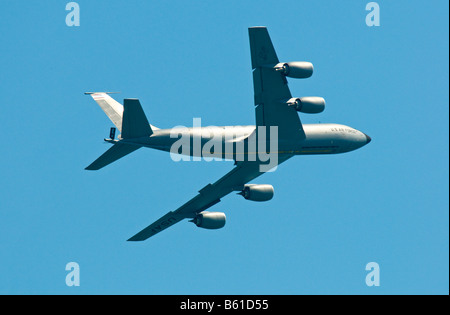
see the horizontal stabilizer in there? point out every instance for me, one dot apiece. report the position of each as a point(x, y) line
point(114, 153)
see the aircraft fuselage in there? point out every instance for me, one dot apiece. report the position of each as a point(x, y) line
point(228, 142)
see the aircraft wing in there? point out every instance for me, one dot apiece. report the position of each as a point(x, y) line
point(271, 93)
point(271, 90)
point(208, 196)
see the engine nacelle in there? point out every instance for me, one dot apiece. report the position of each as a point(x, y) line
point(296, 69)
point(210, 220)
point(308, 104)
point(257, 192)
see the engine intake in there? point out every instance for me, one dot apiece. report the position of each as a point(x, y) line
point(296, 69)
point(257, 192)
point(308, 104)
point(210, 220)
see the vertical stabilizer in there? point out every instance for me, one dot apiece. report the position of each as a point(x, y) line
point(134, 123)
point(112, 108)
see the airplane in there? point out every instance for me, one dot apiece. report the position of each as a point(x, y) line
point(275, 108)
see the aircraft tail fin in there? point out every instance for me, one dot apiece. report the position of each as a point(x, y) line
point(130, 119)
point(134, 121)
point(129, 116)
point(112, 108)
point(114, 153)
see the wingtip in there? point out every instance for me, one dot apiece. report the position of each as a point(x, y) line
point(90, 93)
point(134, 239)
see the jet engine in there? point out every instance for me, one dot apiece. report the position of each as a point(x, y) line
point(308, 104)
point(257, 192)
point(210, 220)
point(296, 69)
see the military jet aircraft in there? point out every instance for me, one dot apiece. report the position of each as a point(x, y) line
point(277, 136)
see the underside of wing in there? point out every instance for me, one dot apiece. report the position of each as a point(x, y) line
point(271, 100)
point(207, 197)
point(271, 90)
point(163, 223)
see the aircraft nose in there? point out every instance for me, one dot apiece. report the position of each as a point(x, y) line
point(368, 139)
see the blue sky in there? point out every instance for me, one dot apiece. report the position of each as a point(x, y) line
point(331, 215)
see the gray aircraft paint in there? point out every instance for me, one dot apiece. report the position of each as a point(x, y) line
point(320, 139)
point(277, 136)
